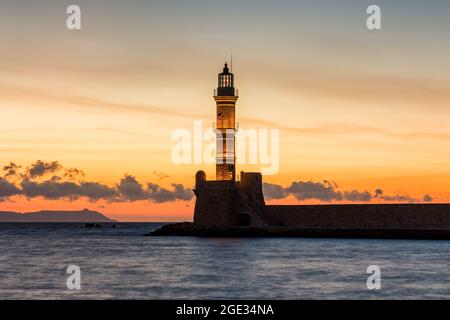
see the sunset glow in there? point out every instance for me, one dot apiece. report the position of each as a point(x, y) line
point(361, 110)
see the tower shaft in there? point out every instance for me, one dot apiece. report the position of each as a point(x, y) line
point(225, 138)
point(225, 97)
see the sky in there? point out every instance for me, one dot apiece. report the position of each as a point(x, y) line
point(363, 114)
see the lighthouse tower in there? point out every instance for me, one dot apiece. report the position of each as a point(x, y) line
point(225, 96)
point(225, 202)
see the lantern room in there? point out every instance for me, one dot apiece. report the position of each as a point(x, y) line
point(225, 83)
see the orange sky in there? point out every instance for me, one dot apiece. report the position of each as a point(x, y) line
point(364, 109)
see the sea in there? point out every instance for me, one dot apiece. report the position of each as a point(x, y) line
point(122, 263)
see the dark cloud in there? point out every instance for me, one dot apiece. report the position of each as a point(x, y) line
point(127, 190)
point(400, 198)
point(50, 189)
point(274, 191)
point(96, 191)
point(182, 193)
point(328, 191)
point(357, 196)
point(158, 194)
point(314, 191)
point(378, 193)
point(73, 173)
point(65, 186)
point(130, 189)
point(41, 168)
point(8, 189)
point(11, 169)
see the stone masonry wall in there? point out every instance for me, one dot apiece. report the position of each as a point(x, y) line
point(388, 216)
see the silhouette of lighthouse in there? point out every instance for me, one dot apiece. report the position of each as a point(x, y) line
point(225, 97)
point(225, 201)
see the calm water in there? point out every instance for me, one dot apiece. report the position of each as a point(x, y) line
point(122, 264)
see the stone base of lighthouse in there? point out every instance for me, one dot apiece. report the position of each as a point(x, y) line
point(230, 203)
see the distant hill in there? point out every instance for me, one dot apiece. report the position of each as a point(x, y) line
point(54, 216)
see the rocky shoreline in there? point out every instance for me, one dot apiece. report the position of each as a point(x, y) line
point(188, 229)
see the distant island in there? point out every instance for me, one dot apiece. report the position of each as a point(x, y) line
point(54, 216)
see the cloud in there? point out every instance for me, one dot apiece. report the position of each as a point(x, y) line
point(329, 191)
point(62, 184)
point(357, 196)
point(130, 189)
point(96, 191)
point(56, 187)
point(182, 193)
point(158, 194)
point(41, 168)
point(274, 191)
point(310, 190)
point(11, 169)
point(8, 189)
point(50, 189)
point(127, 190)
point(400, 198)
point(378, 193)
point(73, 173)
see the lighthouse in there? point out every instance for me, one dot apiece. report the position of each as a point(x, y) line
point(225, 96)
point(224, 201)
